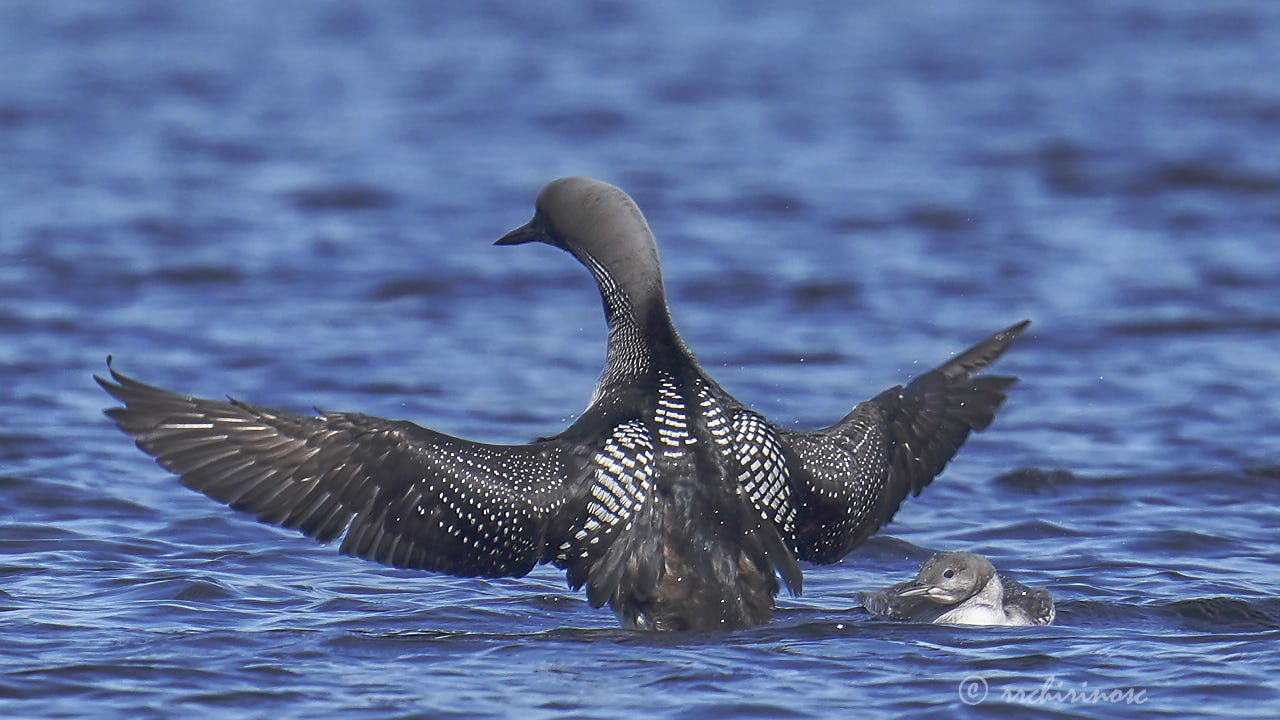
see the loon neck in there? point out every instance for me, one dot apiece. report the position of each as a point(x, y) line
point(985, 607)
point(642, 338)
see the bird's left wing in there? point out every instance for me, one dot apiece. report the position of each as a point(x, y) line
point(404, 495)
point(849, 479)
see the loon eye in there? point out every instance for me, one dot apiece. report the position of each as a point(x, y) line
point(949, 574)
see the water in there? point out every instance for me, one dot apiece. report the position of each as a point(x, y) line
point(294, 203)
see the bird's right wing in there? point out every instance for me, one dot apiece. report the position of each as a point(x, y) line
point(1034, 604)
point(849, 479)
point(403, 495)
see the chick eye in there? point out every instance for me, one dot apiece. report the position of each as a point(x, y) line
point(949, 574)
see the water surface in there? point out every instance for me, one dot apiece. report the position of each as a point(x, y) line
point(293, 203)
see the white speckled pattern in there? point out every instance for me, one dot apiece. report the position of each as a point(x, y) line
point(667, 499)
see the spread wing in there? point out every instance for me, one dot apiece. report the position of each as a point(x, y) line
point(404, 495)
point(849, 479)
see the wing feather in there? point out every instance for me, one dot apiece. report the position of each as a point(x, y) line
point(398, 493)
point(848, 480)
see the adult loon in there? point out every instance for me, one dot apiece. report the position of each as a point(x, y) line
point(668, 499)
point(962, 588)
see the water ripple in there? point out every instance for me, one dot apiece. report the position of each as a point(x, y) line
point(295, 204)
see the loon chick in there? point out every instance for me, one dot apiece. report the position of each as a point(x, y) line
point(962, 588)
point(668, 499)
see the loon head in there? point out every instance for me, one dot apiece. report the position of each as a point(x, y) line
point(951, 577)
point(601, 226)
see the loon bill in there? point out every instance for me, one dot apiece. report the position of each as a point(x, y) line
point(962, 588)
point(668, 499)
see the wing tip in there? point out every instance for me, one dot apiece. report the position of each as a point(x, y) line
point(115, 386)
point(983, 353)
point(125, 389)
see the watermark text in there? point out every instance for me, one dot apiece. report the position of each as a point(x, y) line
point(974, 690)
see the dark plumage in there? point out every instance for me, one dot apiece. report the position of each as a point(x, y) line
point(667, 499)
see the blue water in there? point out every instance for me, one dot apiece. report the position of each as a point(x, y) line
point(294, 203)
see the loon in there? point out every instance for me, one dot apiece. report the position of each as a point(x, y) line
point(667, 499)
point(962, 588)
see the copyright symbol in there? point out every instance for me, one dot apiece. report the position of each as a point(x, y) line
point(973, 689)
